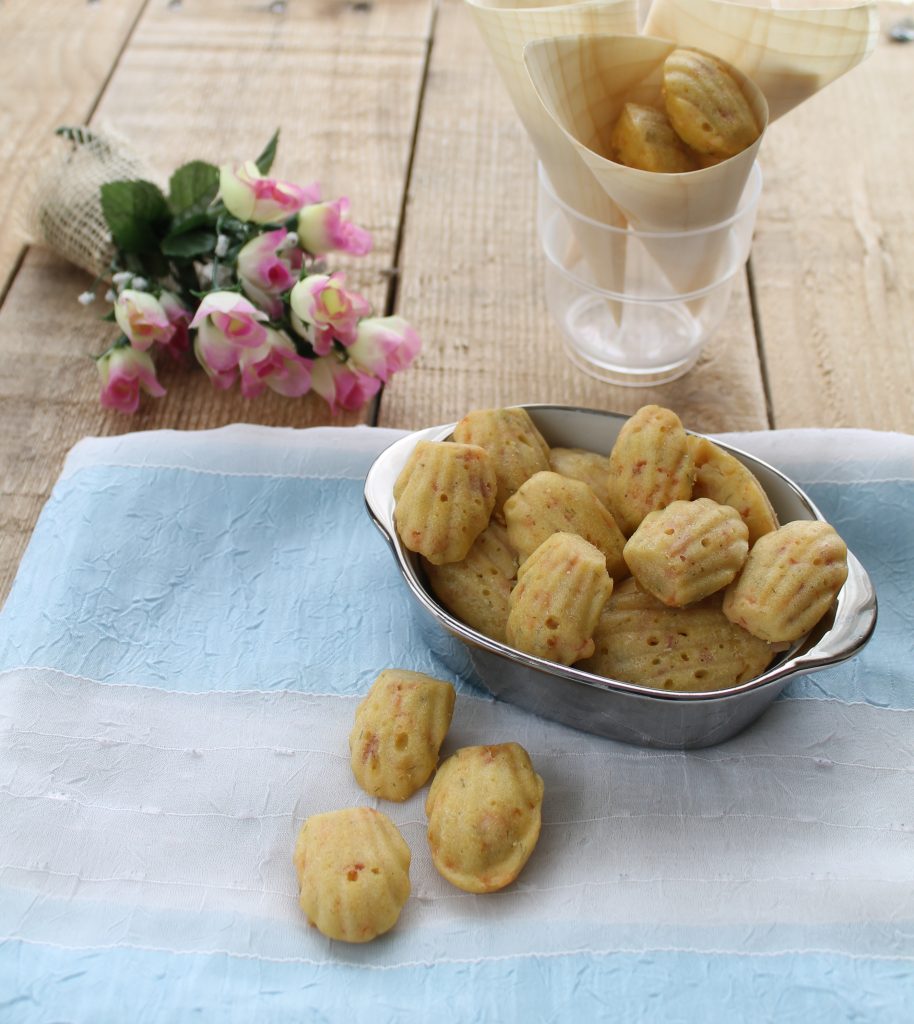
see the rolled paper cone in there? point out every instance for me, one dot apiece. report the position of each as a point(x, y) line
point(583, 82)
point(790, 52)
point(506, 27)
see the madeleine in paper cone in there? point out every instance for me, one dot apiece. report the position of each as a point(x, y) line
point(477, 589)
point(584, 82)
point(644, 137)
point(790, 50)
point(706, 105)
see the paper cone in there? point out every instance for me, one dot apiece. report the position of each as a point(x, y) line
point(583, 83)
point(789, 53)
point(506, 27)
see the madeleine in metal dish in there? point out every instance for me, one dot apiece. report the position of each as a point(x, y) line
point(662, 463)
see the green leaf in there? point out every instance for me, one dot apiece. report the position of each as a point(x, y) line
point(192, 219)
point(193, 186)
point(265, 160)
point(137, 214)
point(189, 244)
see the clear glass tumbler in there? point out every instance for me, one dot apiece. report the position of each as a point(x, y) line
point(639, 307)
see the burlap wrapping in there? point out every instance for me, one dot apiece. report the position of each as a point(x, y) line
point(65, 211)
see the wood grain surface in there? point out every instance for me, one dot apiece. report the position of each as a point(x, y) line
point(55, 57)
point(212, 80)
point(472, 273)
point(397, 104)
point(834, 249)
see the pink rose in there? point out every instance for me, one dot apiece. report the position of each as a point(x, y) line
point(249, 196)
point(267, 268)
point(384, 345)
point(342, 385)
point(325, 227)
point(123, 371)
point(276, 365)
point(179, 318)
point(141, 317)
point(323, 302)
point(226, 324)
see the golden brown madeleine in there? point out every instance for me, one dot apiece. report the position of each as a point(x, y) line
point(789, 582)
point(353, 873)
point(721, 477)
point(640, 640)
point(561, 589)
point(706, 105)
point(398, 730)
point(548, 503)
point(579, 464)
point(445, 500)
point(688, 550)
point(476, 590)
point(651, 465)
point(644, 138)
point(517, 448)
point(484, 815)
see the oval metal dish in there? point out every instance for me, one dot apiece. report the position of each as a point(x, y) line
point(608, 707)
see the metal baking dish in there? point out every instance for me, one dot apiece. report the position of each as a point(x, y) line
point(608, 707)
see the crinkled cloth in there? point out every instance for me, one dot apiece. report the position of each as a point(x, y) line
point(191, 628)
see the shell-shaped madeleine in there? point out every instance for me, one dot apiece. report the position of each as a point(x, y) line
point(580, 464)
point(706, 104)
point(446, 495)
point(476, 590)
point(789, 581)
point(484, 816)
point(644, 138)
point(548, 503)
point(688, 550)
point(353, 873)
point(398, 730)
point(517, 448)
point(724, 479)
point(561, 589)
point(650, 466)
point(640, 640)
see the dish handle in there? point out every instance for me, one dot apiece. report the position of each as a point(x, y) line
point(855, 620)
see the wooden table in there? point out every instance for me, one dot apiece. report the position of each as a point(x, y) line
point(397, 104)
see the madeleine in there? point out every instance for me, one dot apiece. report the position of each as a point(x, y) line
point(484, 814)
point(353, 873)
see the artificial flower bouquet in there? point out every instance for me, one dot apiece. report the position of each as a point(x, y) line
point(230, 263)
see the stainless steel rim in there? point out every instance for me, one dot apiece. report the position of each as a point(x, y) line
point(853, 624)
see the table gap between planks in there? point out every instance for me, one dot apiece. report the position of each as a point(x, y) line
point(397, 104)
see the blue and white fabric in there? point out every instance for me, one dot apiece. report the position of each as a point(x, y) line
point(190, 631)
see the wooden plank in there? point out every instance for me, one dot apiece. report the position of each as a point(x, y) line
point(472, 273)
point(833, 252)
point(213, 81)
point(54, 58)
